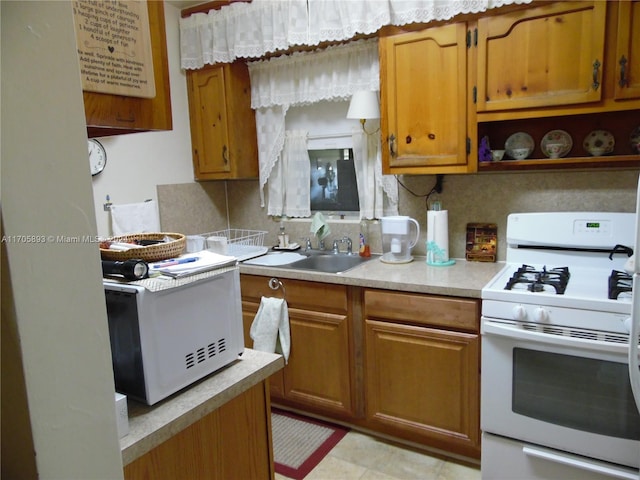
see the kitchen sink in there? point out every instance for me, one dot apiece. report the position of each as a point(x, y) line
point(318, 261)
point(328, 262)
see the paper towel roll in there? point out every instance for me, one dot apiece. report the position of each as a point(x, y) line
point(437, 236)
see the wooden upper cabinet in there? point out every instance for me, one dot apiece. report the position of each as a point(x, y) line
point(423, 77)
point(627, 85)
point(108, 114)
point(223, 127)
point(550, 55)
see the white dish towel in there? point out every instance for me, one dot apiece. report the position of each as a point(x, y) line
point(135, 218)
point(270, 327)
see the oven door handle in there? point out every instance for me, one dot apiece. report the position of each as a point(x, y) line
point(580, 463)
point(494, 328)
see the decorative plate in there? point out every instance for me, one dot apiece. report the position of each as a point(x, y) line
point(599, 142)
point(556, 143)
point(635, 140)
point(519, 145)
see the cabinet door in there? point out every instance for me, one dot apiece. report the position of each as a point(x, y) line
point(424, 101)
point(209, 123)
point(114, 114)
point(628, 51)
point(232, 442)
point(543, 56)
point(319, 369)
point(422, 384)
point(319, 376)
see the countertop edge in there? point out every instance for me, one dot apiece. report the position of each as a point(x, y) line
point(463, 279)
point(149, 426)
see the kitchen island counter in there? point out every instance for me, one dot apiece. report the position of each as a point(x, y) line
point(463, 279)
point(150, 426)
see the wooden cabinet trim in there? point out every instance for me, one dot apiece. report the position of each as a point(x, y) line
point(436, 405)
point(114, 115)
point(531, 92)
point(233, 441)
point(446, 312)
point(300, 294)
point(423, 80)
point(223, 127)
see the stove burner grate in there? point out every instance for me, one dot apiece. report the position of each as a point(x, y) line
point(619, 282)
point(535, 280)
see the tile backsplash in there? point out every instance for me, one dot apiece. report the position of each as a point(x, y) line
point(486, 198)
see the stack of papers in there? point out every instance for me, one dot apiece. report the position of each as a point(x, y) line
point(191, 263)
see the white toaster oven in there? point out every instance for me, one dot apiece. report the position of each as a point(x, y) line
point(164, 340)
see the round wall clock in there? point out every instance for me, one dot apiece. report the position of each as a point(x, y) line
point(97, 157)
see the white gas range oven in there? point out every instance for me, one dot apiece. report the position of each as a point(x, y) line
point(556, 396)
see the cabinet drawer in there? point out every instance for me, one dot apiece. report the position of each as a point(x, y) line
point(456, 313)
point(299, 294)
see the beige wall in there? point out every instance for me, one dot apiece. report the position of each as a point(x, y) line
point(468, 198)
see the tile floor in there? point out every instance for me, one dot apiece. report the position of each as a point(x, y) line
point(362, 457)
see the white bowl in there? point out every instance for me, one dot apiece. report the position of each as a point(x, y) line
point(496, 155)
point(519, 153)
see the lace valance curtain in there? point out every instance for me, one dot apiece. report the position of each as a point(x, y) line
point(250, 30)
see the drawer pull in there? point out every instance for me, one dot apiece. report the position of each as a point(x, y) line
point(624, 81)
point(392, 145)
point(596, 69)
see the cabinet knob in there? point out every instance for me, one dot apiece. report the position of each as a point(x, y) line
point(408, 139)
point(432, 136)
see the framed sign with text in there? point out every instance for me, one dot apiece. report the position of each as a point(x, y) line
point(114, 47)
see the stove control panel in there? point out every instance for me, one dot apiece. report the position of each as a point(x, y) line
point(598, 230)
point(592, 227)
point(555, 315)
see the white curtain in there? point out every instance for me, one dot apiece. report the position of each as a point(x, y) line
point(250, 30)
point(289, 192)
point(300, 79)
point(377, 193)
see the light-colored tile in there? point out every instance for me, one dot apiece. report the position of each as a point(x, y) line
point(454, 471)
point(410, 465)
point(373, 475)
point(363, 450)
point(332, 468)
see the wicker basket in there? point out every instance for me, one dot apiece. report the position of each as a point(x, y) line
point(150, 253)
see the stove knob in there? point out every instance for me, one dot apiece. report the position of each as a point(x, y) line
point(540, 315)
point(519, 312)
point(627, 324)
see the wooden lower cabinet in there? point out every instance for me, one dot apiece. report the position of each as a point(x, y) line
point(421, 364)
point(232, 442)
point(403, 365)
point(319, 376)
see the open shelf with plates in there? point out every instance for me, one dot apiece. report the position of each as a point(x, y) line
point(621, 125)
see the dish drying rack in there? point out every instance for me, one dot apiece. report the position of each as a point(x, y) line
point(241, 243)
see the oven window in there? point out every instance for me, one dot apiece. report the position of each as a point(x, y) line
point(581, 393)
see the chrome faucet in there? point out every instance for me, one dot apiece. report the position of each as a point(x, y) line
point(307, 246)
point(346, 240)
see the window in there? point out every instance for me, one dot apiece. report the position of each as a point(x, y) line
point(333, 180)
point(333, 186)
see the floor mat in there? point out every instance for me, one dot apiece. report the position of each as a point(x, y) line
point(300, 443)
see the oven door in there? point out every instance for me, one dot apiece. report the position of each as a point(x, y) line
point(569, 394)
